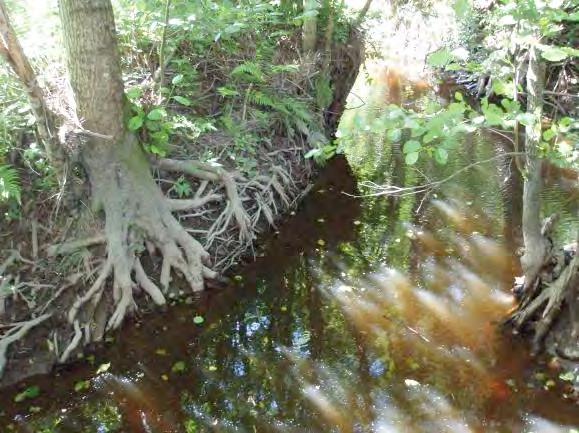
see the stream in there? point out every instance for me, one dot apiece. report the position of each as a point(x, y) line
point(372, 314)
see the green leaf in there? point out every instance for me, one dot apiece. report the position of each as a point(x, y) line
point(103, 368)
point(411, 158)
point(569, 376)
point(178, 367)
point(441, 155)
point(182, 100)
point(440, 58)
point(458, 96)
point(28, 393)
point(156, 114)
point(553, 54)
point(411, 146)
point(394, 135)
point(549, 134)
point(135, 123)
point(461, 8)
point(177, 79)
point(526, 119)
point(198, 320)
point(83, 385)
point(507, 20)
point(134, 93)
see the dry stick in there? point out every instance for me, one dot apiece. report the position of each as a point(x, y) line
point(8, 262)
point(34, 239)
point(16, 335)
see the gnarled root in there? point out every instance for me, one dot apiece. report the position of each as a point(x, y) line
point(209, 172)
point(18, 331)
point(545, 301)
point(138, 218)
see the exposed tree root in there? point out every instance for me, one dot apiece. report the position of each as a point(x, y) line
point(554, 288)
point(213, 173)
point(18, 331)
point(140, 218)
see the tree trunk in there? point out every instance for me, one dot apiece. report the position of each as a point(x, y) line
point(136, 212)
point(535, 243)
point(310, 28)
point(549, 294)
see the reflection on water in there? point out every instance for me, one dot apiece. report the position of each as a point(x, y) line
point(362, 315)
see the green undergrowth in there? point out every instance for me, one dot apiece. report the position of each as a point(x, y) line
point(234, 89)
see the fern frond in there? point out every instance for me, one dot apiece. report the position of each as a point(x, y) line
point(257, 97)
point(248, 70)
point(9, 183)
point(280, 69)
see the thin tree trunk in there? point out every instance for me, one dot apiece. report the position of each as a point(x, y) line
point(535, 243)
point(310, 28)
point(12, 52)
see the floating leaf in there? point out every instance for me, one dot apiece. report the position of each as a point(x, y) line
point(165, 377)
point(321, 242)
point(103, 368)
point(28, 393)
point(83, 385)
point(212, 368)
point(161, 352)
point(198, 320)
point(178, 367)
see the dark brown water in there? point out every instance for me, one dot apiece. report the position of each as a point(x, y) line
point(361, 315)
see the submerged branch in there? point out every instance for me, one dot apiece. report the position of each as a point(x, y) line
point(393, 190)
